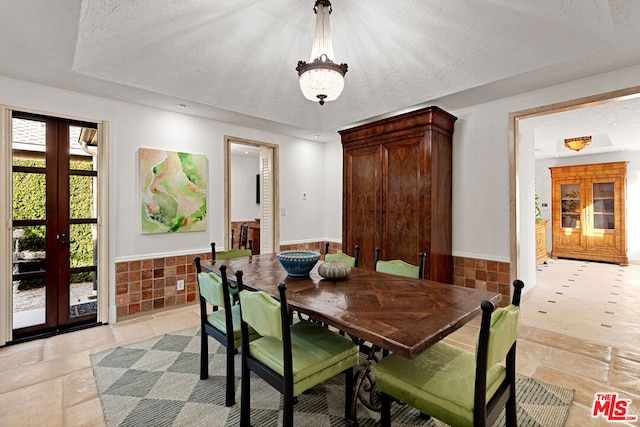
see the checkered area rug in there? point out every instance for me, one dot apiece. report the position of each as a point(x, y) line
point(156, 382)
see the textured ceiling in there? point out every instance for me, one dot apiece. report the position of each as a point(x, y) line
point(235, 60)
point(613, 126)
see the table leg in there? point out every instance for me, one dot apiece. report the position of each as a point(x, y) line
point(365, 386)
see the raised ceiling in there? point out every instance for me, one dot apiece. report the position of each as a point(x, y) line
point(613, 126)
point(235, 60)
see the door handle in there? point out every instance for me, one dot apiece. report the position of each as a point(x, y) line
point(66, 242)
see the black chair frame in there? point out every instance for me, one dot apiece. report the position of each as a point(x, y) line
point(225, 338)
point(284, 384)
point(504, 397)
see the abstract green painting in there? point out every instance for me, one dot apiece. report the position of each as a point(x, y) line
point(173, 191)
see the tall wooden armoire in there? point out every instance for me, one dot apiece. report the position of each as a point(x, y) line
point(397, 190)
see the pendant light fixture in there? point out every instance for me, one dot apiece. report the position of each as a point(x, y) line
point(322, 79)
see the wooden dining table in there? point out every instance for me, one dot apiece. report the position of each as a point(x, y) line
point(377, 310)
point(399, 314)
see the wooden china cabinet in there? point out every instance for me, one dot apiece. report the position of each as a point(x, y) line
point(588, 212)
point(397, 190)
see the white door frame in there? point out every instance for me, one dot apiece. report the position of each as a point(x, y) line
point(6, 257)
point(228, 140)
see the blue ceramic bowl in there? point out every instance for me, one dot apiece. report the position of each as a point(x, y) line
point(298, 263)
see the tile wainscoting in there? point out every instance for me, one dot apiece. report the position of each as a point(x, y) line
point(151, 284)
point(475, 273)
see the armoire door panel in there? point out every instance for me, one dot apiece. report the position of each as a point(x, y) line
point(403, 184)
point(362, 166)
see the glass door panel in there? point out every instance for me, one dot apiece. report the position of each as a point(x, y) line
point(29, 232)
point(83, 232)
point(570, 209)
point(604, 206)
point(83, 266)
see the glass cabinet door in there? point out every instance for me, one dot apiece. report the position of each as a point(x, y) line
point(603, 206)
point(570, 198)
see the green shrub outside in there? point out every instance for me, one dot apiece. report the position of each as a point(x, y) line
point(29, 202)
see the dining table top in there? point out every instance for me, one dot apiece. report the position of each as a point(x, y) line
point(399, 314)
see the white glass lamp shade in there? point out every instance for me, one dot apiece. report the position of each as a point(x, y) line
point(321, 79)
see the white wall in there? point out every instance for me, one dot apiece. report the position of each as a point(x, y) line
point(304, 219)
point(543, 187)
point(134, 126)
point(481, 211)
point(243, 188)
point(481, 162)
point(333, 191)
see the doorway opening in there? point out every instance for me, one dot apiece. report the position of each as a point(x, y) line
point(251, 195)
point(522, 175)
point(526, 184)
point(54, 217)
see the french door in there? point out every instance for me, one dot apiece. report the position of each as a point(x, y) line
point(54, 220)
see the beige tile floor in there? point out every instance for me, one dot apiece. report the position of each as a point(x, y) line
point(49, 382)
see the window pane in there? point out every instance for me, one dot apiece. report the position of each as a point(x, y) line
point(29, 141)
point(29, 294)
point(29, 196)
point(82, 294)
point(82, 252)
point(603, 189)
point(82, 148)
point(29, 242)
point(604, 222)
point(570, 194)
point(81, 192)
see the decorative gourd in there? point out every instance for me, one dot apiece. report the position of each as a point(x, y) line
point(334, 270)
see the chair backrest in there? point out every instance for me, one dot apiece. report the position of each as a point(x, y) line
point(262, 313)
point(399, 267)
point(496, 342)
point(351, 261)
point(244, 236)
point(228, 254)
point(259, 310)
point(215, 290)
point(211, 288)
point(503, 333)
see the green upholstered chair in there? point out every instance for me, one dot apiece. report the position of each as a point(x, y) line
point(222, 323)
point(291, 358)
point(228, 254)
point(453, 385)
point(351, 261)
point(399, 267)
